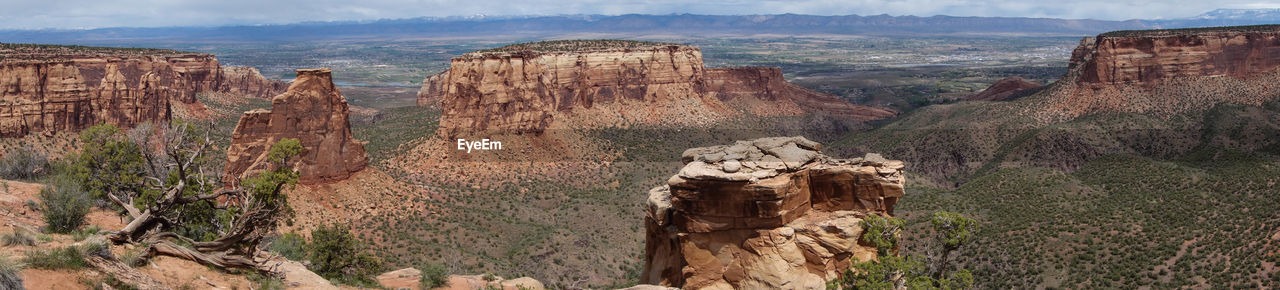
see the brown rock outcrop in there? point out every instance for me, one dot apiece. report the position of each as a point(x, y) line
point(1168, 71)
point(523, 91)
point(1146, 56)
point(770, 213)
point(52, 88)
point(313, 111)
point(247, 81)
point(1005, 89)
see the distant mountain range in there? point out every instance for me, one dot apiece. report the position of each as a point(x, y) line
point(680, 24)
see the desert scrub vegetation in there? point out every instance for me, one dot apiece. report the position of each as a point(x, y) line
point(10, 274)
point(289, 245)
point(434, 275)
point(913, 271)
point(19, 237)
point(393, 130)
point(64, 204)
point(338, 255)
point(1122, 220)
point(24, 163)
point(64, 258)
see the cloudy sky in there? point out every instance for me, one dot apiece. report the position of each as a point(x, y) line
point(32, 14)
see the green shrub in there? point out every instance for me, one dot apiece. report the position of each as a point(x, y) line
point(70, 258)
point(25, 164)
point(265, 282)
point(64, 204)
point(290, 245)
point(336, 254)
point(434, 275)
point(9, 274)
point(80, 235)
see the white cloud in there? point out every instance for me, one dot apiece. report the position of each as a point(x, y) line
point(145, 13)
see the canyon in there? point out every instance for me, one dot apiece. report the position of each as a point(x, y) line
point(313, 111)
point(770, 213)
point(57, 88)
point(529, 88)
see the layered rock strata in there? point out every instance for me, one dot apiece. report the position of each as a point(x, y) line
point(1169, 71)
point(770, 213)
point(50, 89)
point(313, 111)
point(523, 91)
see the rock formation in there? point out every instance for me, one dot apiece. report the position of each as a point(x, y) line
point(1169, 71)
point(1144, 57)
point(1005, 89)
point(313, 111)
point(524, 88)
point(247, 81)
point(53, 88)
point(770, 213)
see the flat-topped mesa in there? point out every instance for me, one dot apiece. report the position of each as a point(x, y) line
point(313, 111)
point(1169, 71)
point(1147, 56)
point(524, 88)
point(46, 88)
point(770, 213)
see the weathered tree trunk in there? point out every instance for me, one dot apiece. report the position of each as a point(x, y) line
point(124, 273)
point(222, 259)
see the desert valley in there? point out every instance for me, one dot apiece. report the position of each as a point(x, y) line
point(644, 152)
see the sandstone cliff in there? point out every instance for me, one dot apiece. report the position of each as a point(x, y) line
point(52, 88)
point(522, 89)
point(313, 111)
point(1006, 89)
point(770, 213)
point(1169, 71)
point(247, 81)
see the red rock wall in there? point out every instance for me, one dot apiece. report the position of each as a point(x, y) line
point(1148, 58)
point(313, 111)
point(73, 93)
point(1167, 72)
point(247, 81)
point(525, 92)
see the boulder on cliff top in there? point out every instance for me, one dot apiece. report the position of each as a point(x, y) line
point(768, 213)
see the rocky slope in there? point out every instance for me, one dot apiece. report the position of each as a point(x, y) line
point(313, 111)
point(526, 87)
point(1006, 89)
point(770, 213)
point(1157, 97)
point(56, 88)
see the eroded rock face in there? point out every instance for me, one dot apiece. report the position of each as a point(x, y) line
point(1168, 71)
point(48, 90)
point(1144, 57)
point(247, 81)
point(313, 111)
point(1005, 89)
point(768, 213)
point(525, 91)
